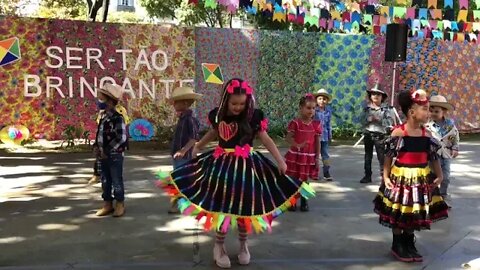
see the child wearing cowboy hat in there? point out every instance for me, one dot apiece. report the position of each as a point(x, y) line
point(377, 120)
point(323, 113)
point(186, 131)
point(111, 142)
point(444, 130)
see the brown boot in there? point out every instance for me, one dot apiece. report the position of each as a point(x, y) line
point(107, 209)
point(95, 179)
point(119, 209)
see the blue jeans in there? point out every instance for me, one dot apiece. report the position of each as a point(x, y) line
point(325, 157)
point(112, 172)
point(177, 163)
point(445, 163)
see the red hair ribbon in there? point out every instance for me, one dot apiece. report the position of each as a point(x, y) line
point(419, 97)
point(309, 95)
point(235, 84)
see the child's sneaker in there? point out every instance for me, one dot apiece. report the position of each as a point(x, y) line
point(327, 177)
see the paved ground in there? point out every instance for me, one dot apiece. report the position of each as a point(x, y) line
point(47, 221)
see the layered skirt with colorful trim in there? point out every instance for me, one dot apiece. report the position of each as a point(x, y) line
point(414, 203)
point(233, 188)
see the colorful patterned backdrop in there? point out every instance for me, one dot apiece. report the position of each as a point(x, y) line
point(281, 66)
point(237, 53)
point(286, 73)
point(421, 67)
point(342, 66)
point(139, 66)
point(459, 66)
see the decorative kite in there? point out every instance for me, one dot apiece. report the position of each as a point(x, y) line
point(14, 134)
point(9, 51)
point(141, 130)
point(212, 73)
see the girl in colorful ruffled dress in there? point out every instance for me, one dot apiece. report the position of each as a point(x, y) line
point(304, 139)
point(234, 186)
point(409, 198)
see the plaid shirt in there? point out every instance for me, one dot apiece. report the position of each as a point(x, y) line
point(325, 118)
point(186, 130)
point(447, 133)
point(112, 133)
point(381, 119)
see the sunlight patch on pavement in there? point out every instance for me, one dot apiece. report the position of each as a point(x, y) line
point(58, 227)
point(58, 209)
point(140, 195)
point(12, 239)
point(188, 240)
point(367, 237)
point(179, 224)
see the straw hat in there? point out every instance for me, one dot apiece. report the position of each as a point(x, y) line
point(376, 89)
point(440, 101)
point(324, 93)
point(184, 93)
point(112, 90)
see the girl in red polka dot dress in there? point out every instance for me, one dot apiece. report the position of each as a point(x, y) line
point(304, 139)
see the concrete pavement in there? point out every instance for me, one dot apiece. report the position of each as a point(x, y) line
point(47, 221)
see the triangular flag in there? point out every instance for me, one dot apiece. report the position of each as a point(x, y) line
point(448, 3)
point(476, 14)
point(336, 15)
point(211, 4)
point(460, 37)
point(477, 4)
point(384, 10)
point(462, 15)
point(399, 12)
point(440, 25)
point(367, 19)
point(278, 16)
point(436, 14)
point(432, 3)
point(463, 4)
point(423, 14)
point(411, 13)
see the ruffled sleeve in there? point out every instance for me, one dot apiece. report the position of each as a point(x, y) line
point(393, 145)
point(212, 115)
point(433, 149)
point(259, 122)
point(292, 126)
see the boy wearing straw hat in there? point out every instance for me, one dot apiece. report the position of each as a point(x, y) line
point(323, 113)
point(110, 144)
point(377, 120)
point(186, 131)
point(444, 130)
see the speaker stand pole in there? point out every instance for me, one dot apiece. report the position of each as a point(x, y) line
point(393, 84)
point(393, 94)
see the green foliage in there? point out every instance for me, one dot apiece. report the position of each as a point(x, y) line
point(187, 14)
point(124, 17)
point(72, 133)
point(10, 7)
point(63, 9)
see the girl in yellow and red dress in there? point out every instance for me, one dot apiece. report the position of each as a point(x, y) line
point(409, 198)
point(233, 186)
point(304, 138)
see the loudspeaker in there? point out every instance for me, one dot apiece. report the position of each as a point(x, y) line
point(396, 45)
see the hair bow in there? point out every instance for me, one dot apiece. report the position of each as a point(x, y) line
point(308, 95)
point(419, 96)
point(235, 84)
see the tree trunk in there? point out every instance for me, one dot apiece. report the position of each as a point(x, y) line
point(106, 4)
point(93, 9)
point(219, 16)
point(231, 20)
